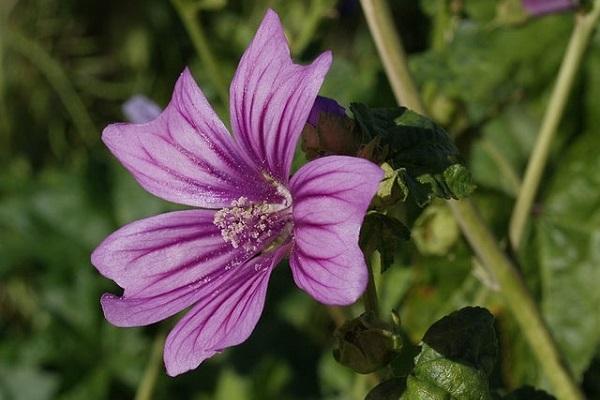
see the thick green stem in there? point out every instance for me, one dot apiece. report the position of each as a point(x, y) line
point(518, 298)
point(580, 39)
point(148, 382)
point(384, 34)
point(189, 16)
point(514, 291)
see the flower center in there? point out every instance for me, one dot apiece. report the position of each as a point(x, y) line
point(253, 226)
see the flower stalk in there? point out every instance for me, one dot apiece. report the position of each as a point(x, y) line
point(580, 39)
point(148, 382)
point(513, 289)
point(370, 297)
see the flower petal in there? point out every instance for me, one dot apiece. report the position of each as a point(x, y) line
point(541, 7)
point(140, 109)
point(165, 263)
point(186, 154)
point(271, 98)
point(223, 319)
point(331, 196)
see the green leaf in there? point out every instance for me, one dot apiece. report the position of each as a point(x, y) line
point(498, 156)
point(427, 161)
point(385, 234)
point(568, 234)
point(458, 354)
point(482, 69)
point(468, 335)
point(442, 378)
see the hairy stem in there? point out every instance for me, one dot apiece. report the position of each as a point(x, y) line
point(189, 16)
point(514, 291)
point(580, 39)
point(148, 382)
point(384, 34)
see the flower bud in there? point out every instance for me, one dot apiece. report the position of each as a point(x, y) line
point(365, 344)
point(541, 7)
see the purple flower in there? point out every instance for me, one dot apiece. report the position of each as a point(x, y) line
point(541, 7)
point(217, 258)
point(324, 105)
point(139, 109)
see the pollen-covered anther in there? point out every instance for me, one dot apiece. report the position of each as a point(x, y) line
point(244, 224)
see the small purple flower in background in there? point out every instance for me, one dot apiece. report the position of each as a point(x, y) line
point(139, 109)
point(541, 7)
point(218, 258)
point(324, 105)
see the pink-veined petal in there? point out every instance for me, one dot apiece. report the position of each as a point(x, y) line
point(223, 319)
point(331, 196)
point(165, 263)
point(271, 97)
point(186, 154)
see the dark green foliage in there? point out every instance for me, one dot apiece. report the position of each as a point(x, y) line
point(385, 234)
point(422, 152)
point(458, 355)
point(457, 358)
point(568, 232)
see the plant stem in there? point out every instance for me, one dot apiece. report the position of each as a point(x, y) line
point(370, 296)
point(148, 382)
point(518, 298)
point(580, 39)
point(394, 60)
point(188, 14)
point(514, 291)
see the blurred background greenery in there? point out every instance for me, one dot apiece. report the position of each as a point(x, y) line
point(484, 68)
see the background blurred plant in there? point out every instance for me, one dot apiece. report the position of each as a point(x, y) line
point(485, 70)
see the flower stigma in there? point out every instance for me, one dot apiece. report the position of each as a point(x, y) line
point(254, 226)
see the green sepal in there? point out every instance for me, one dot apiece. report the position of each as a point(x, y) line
point(365, 344)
